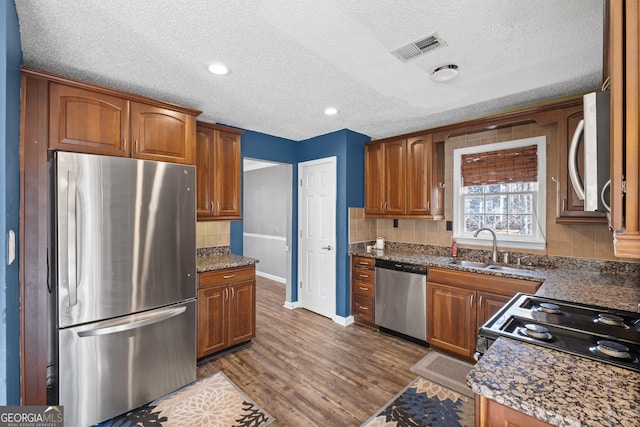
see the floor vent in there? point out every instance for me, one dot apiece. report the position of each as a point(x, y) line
point(419, 47)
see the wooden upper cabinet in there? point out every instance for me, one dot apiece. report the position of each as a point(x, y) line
point(395, 165)
point(204, 175)
point(86, 121)
point(374, 180)
point(624, 57)
point(228, 171)
point(404, 177)
point(93, 119)
point(570, 209)
point(425, 177)
point(162, 134)
point(219, 170)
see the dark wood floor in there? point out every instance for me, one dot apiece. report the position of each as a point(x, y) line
point(306, 370)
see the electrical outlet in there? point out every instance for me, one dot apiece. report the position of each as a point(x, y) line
point(449, 225)
point(395, 223)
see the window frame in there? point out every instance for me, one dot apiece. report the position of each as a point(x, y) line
point(538, 240)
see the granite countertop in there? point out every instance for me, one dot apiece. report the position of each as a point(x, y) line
point(209, 259)
point(614, 290)
point(559, 388)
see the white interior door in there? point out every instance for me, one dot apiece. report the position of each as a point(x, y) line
point(317, 236)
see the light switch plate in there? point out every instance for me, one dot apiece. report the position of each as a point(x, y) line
point(11, 247)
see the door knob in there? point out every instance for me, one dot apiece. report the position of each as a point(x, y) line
point(328, 247)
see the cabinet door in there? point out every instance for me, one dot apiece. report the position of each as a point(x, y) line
point(162, 134)
point(570, 207)
point(204, 173)
point(451, 318)
point(242, 315)
point(495, 414)
point(488, 305)
point(227, 170)
point(87, 122)
point(213, 315)
point(374, 179)
point(395, 162)
point(419, 182)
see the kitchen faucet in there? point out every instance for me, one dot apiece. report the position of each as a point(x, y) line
point(494, 256)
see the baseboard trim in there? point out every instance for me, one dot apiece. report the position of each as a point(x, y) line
point(343, 321)
point(291, 305)
point(271, 277)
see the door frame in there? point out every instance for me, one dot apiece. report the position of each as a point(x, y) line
point(333, 160)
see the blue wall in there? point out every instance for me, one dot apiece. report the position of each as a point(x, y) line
point(348, 147)
point(256, 145)
point(10, 59)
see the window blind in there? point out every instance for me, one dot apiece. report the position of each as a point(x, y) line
point(500, 167)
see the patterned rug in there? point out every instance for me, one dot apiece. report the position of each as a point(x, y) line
point(424, 403)
point(212, 401)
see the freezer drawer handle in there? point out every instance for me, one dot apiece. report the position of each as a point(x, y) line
point(127, 326)
point(71, 239)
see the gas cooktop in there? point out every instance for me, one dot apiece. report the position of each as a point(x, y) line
point(597, 333)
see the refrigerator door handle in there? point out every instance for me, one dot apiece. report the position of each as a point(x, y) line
point(71, 239)
point(127, 326)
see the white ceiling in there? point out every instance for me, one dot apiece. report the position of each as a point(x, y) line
point(290, 59)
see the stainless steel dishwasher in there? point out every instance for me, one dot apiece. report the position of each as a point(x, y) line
point(401, 298)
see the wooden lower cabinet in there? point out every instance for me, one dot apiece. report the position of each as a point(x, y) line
point(490, 413)
point(363, 293)
point(459, 303)
point(226, 308)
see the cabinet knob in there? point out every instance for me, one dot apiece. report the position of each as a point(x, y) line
point(471, 301)
point(229, 276)
point(362, 288)
point(363, 308)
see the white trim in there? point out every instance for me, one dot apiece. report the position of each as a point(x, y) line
point(292, 305)
point(265, 236)
point(484, 239)
point(271, 277)
point(343, 321)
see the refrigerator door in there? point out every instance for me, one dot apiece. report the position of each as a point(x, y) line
point(125, 236)
point(110, 367)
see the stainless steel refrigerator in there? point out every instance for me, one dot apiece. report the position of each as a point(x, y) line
point(123, 302)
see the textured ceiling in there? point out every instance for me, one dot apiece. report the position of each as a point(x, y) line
point(289, 60)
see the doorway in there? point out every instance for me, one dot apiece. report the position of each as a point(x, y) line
point(267, 212)
point(317, 194)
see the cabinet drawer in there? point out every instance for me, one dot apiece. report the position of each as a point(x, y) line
point(364, 288)
point(227, 275)
point(363, 308)
point(363, 262)
point(364, 276)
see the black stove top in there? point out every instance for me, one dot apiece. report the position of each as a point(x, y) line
point(598, 333)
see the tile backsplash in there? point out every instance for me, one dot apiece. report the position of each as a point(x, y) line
point(213, 233)
point(593, 241)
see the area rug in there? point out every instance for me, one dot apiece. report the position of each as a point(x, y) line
point(445, 370)
point(212, 401)
point(424, 403)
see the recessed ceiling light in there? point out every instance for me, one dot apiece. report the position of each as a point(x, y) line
point(218, 69)
point(445, 73)
point(330, 111)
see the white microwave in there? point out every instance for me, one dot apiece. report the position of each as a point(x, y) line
point(593, 186)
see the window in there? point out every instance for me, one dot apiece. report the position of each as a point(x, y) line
point(501, 186)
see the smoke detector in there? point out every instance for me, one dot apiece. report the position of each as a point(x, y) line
point(444, 73)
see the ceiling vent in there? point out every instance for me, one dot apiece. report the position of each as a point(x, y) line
point(419, 47)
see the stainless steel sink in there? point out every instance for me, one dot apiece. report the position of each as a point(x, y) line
point(470, 264)
point(484, 266)
point(508, 269)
